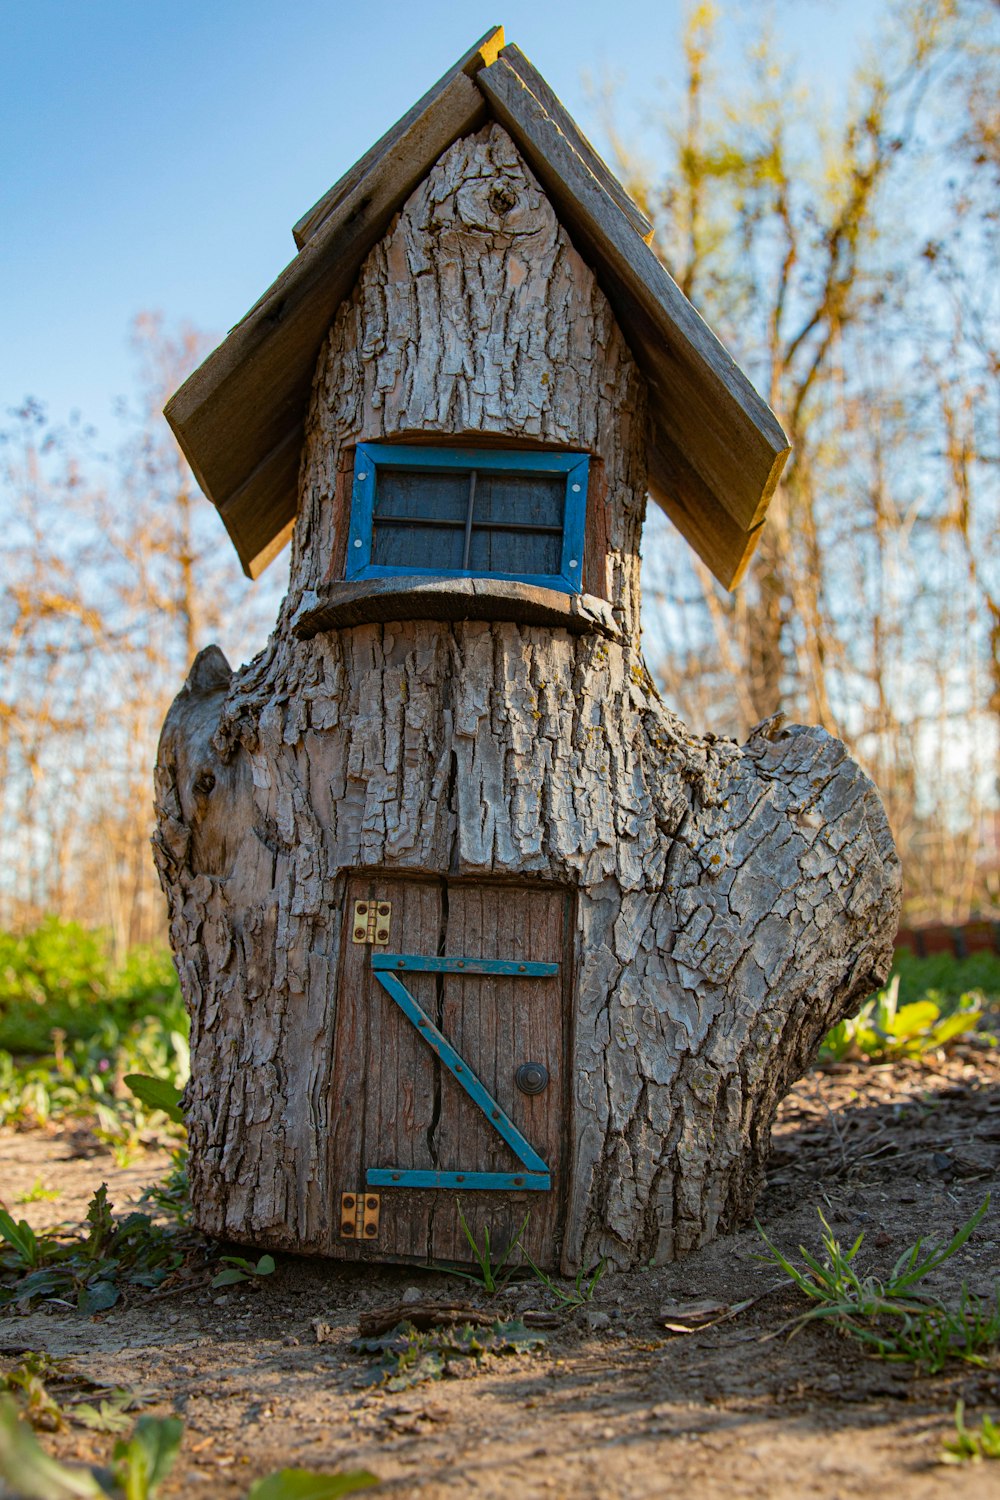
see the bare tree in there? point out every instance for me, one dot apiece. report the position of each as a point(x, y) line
point(118, 573)
point(849, 269)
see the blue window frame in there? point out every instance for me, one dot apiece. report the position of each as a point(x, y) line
point(468, 513)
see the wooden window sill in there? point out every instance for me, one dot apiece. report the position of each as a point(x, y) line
point(365, 601)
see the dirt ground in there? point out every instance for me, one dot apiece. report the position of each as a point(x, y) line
point(614, 1405)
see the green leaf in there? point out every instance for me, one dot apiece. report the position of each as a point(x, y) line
point(911, 1019)
point(146, 1458)
point(230, 1277)
point(29, 1470)
point(305, 1484)
point(108, 1417)
point(962, 1021)
point(21, 1235)
point(243, 1269)
point(989, 1436)
point(97, 1297)
point(157, 1093)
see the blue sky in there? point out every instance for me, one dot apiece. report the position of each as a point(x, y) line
point(155, 157)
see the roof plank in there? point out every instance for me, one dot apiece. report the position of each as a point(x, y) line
point(485, 51)
point(679, 490)
point(559, 115)
point(716, 450)
point(249, 398)
point(711, 413)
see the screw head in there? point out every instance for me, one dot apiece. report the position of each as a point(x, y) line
point(357, 541)
point(347, 1229)
point(348, 1201)
point(371, 1203)
point(532, 1077)
point(371, 1231)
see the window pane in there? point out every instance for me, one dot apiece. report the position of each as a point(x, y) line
point(520, 499)
point(420, 514)
point(421, 492)
point(518, 552)
point(437, 549)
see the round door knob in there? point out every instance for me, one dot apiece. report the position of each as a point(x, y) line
point(532, 1077)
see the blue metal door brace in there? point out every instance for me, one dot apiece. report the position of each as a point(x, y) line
point(387, 968)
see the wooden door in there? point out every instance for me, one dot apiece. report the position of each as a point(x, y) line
point(399, 1108)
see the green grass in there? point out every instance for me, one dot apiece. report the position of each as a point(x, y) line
point(60, 977)
point(947, 977)
point(72, 1025)
point(971, 1444)
point(893, 1315)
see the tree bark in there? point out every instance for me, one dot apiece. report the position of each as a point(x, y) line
point(732, 902)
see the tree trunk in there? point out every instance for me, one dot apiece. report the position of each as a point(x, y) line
point(728, 904)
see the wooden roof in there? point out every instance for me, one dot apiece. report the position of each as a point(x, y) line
point(716, 450)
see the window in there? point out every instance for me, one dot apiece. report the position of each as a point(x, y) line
point(470, 513)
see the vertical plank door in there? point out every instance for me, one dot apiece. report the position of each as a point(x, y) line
point(410, 1112)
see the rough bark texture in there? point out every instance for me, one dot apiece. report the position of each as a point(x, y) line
point(731, 902)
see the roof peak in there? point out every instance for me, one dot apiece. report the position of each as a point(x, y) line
point(715, 449)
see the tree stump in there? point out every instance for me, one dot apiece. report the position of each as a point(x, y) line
point(714, 908)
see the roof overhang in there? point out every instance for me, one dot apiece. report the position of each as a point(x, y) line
point(716, 449)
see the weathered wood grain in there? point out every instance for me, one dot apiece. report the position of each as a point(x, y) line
point(440, 597)
point(730, 902)
point(568, 128)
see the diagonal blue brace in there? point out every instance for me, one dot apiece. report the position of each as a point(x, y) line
point(386, 968)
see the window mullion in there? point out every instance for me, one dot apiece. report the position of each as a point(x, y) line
point(467, 550)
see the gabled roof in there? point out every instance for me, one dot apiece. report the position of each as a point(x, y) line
point(715, 451)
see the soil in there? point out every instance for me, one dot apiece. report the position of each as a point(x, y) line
point(615, 1405)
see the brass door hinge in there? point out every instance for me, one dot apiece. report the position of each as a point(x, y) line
point(371, 922)
point(359, 1216)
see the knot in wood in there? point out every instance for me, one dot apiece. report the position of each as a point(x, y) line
point(502, 198)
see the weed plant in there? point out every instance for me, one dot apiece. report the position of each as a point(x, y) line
point(492, 1275)
point(885, 1030)
point(893, 1316)
point(60, 976)
point(405, 1356)
point(88, 1271)
point(583, 1288)
point(971, 1444)
point(140, 1463)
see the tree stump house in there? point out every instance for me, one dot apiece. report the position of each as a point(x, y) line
point(468, 923)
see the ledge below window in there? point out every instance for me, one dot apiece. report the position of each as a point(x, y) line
point(437, 597)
